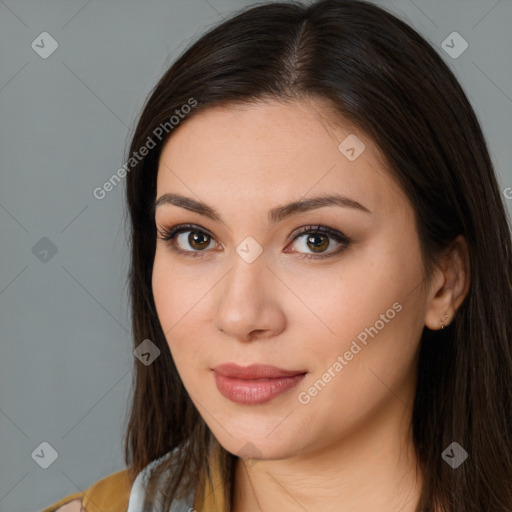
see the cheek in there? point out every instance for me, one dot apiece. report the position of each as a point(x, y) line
point(173, 292)
point(177, 298)
point(370, 363)
point(370, 314)
point(163, 292)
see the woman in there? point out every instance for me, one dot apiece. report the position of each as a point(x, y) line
point(321, 274)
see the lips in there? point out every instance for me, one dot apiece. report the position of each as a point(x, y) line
point(255, 371)
point(254, 384)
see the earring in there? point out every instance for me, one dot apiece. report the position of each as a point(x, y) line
point(442, 321)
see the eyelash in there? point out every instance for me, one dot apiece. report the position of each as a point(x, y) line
point(168, 235)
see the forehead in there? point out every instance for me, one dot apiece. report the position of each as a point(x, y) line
point(271, 152)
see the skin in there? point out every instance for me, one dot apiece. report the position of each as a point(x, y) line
point(350, 446)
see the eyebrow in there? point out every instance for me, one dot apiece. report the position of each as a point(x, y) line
point(275, 215)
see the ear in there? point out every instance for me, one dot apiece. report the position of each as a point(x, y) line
point(449, 285)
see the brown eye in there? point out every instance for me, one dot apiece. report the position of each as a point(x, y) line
point(317, 242)
point(313, 242)
point(186, 239)
point(189, 240)
point(198, 240)
point(192, 240)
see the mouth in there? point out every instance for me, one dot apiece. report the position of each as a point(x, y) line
point(254, 384)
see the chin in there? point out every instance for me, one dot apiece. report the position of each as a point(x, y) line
point(257, 444)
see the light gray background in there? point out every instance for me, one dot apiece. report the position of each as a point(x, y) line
point(65, 352)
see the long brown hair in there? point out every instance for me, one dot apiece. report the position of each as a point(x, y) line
point(381, 75)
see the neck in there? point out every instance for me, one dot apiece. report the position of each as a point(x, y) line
point(372, 468)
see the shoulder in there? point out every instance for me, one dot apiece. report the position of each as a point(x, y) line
point(69, 500)
point(110, 493)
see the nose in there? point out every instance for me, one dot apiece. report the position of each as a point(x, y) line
point(249, 303)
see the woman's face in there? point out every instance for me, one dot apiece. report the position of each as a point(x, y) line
point(338, 313)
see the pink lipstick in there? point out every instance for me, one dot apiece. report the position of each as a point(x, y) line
point(254, 384)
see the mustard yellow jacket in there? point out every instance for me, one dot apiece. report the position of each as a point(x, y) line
point(112, 494)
